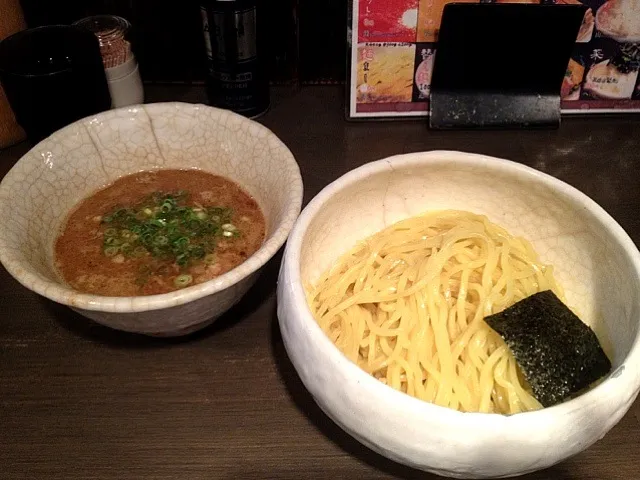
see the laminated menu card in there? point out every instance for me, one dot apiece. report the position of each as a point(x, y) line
point(393, 44)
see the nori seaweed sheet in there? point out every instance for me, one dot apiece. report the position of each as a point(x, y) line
point(558, 354)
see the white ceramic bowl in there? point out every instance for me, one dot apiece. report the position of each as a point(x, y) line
point(595, 261)
point(39, 191)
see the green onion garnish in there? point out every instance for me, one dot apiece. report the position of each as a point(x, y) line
point(164, 226)
point(182, 280)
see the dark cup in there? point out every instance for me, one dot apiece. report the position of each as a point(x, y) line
point(52, 77)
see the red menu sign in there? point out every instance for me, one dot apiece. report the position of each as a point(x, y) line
point(394, 43)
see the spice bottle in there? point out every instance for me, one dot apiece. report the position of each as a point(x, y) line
point(120, 64)
point(237, 78)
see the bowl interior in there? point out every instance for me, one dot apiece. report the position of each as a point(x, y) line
point(38, 193)
point(568, 230)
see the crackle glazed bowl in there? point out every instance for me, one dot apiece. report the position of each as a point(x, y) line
point(46, 183)
point(594, 259)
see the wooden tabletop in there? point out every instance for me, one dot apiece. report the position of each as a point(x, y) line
point(81, 401)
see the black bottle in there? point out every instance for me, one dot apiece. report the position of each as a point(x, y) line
point(237, 78)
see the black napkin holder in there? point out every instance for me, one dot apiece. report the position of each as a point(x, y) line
point(502, 65)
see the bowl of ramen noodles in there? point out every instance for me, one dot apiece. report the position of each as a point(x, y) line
point(462, 314)
point(153, 219)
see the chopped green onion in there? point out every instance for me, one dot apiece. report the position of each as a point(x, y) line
point(182, 280)
point(164, 226)
point(196, 251)
point(194, 225)
point(181, 242)
point(139, 252)
point(160, 240)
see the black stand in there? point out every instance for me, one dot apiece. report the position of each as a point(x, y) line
point(502, 65)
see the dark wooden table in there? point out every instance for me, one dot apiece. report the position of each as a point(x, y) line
point(81, 401)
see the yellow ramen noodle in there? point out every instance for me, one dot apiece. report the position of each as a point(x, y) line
point(407, 305)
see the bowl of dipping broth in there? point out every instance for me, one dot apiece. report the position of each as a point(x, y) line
point(462, 314)
point(153, 219)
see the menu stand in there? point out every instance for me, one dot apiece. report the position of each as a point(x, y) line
point(485, 73)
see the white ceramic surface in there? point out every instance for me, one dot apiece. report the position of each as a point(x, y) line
point(595, 261)
point(39, 191)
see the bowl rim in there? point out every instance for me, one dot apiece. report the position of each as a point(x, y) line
point(303, 315)
point(65, 295)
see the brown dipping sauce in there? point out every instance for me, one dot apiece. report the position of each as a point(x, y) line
point(80, 250)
